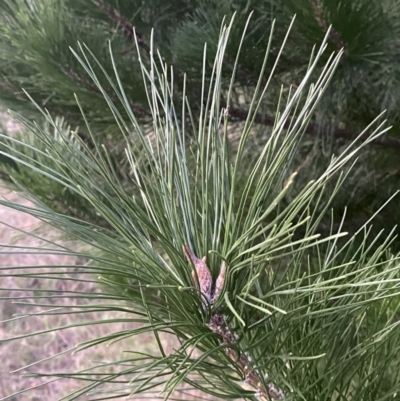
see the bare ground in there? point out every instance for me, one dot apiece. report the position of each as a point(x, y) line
point(16, 354)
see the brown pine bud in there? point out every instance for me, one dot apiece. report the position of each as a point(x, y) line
point(204, 278)
point(219, 284)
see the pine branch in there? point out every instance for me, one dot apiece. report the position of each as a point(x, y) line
point(125, 25)
point(75, 77)
point(318, 314)
point(219, 326)
point(91, 87)
point(323, 23)
point(312, 128)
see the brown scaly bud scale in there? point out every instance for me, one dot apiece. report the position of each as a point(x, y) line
point(204, 277)
point(219, 284)
point(219, 325)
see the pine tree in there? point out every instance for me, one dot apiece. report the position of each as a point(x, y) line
point(218, 243)
point(35, 55)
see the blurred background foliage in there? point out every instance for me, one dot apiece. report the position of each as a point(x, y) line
point(35, 55)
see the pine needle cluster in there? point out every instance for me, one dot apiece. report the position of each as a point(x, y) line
point(276, 308)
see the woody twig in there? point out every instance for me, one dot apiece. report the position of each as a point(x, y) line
point(219, 325)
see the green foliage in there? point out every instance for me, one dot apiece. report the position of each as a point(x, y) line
point(36, 152)
point(35, 55)
point(39, 60)
point(317, 313)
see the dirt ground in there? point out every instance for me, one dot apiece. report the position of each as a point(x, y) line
point(17, 354)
